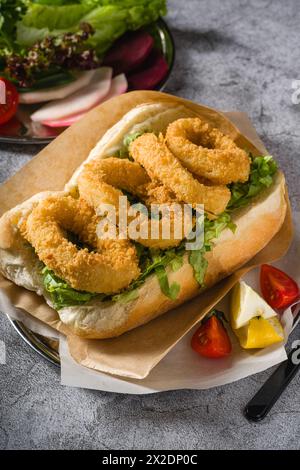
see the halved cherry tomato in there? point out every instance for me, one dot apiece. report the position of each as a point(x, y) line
point(211, 339)
point(9, 108)
point(277, 288)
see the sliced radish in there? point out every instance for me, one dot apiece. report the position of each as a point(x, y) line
point(64, 122)
point(118, 86)
point(78, 102)
point(153, 71)
point(59, 92)
point(129, 52)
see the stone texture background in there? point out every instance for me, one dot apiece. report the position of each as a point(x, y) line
point(230, 55)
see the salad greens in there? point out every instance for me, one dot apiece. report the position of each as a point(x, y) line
point(62, 295)
point(10, 12)
point(212, 230)
point(130, 138)
point(123, 152)
point(24, 22)
point(62, 36)
point(156, 262)
point(262, 171)
point(52, 56)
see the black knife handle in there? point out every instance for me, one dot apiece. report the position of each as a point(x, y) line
point(260, 405)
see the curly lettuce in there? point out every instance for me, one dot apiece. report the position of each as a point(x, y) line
point(109, 18)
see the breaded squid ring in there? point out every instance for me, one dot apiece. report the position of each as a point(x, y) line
point(153, 154)
point(157, 193)
point(101, 181)
point(108, 269)
point(207, 152)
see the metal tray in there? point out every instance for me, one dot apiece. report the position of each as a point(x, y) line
point(45, 347)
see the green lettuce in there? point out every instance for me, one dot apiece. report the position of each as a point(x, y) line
point(110, 19)
point(63, 17)
point(130, 138)
point(154, 262)
point(170, 291)
point(10, 12)
point(199, 264)
point(126, 296)
point(123, 152)
point(262, 171)
point(212, 230)
point(261, 176)
point(61, 294)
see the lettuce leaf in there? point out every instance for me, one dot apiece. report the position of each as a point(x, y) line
point(261, 176)
point(155, 262)
point(214, 227)
point(10, 12)
point(170, 291)
point(262, 171)
point(61, 294)
point(52, 17)
point(109, 18)
point(212, 230)
point(126, 296)
point(199, 264)
point(130, 138)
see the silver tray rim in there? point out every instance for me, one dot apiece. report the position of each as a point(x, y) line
point(35, 342)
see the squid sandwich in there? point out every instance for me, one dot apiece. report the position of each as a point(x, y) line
point(104, 282)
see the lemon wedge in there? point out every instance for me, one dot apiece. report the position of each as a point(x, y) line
point(260, 333)
point(253, 321)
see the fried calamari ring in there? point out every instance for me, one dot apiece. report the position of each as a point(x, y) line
point(207, 152)
point(108, 269)
point(157, 193)
point(153, 154)
point(102, 182)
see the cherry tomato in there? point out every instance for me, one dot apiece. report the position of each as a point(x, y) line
point(211, 339)
point(9, 108)
point(11, 127)
point(277, 288)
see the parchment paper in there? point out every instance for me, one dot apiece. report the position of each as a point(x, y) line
point(135, 353)
point(181, 367)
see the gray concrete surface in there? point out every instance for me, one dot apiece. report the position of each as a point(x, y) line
point(231, 55)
